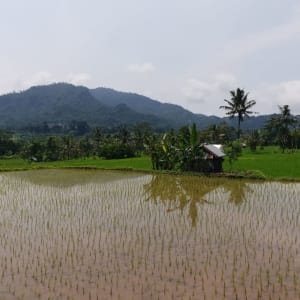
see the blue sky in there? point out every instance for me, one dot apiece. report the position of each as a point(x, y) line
point(190, 53)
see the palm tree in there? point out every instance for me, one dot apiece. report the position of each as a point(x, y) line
point(238, 105)
point(281, 124)
point(286, 119)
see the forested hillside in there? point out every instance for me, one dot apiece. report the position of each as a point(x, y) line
point(62, 103)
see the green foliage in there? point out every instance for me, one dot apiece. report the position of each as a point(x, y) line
point(280, 126)
point(295, 138)
point(253, 140)
point(193, 135)
point(52, 149)
point(124, 143)
point(180, 151)
point(68, 148)
point(116, 150)
point(233, 151)
point(217, 134)
point(8, 146)
point(86, 147)
point(256, 174)
point(140, 134)
point(35, 151)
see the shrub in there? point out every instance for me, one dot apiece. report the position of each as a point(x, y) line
point(116, 150)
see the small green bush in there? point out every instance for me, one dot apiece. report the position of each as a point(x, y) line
point(114, 151)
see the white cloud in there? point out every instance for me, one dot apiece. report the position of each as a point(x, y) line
point(254, 42)
point(141, 68)
point(270, 96)
point(24, 82)
point(39, 78)
point(42, 78)
point(78, 78)
point(207, 96)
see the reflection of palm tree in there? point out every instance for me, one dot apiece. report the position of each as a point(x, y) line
point(181, 192)
point(238, 190)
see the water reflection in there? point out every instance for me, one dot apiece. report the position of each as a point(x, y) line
point(238, 189)
point(71, 177)
point(188, 192)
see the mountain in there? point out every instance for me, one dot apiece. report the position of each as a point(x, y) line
point(63, 102)
point(175, 114)
point(58, 102)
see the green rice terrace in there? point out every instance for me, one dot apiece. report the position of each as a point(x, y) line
point(95, 234)
point(270, 161)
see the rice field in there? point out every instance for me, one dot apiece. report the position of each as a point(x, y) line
point(74, 234)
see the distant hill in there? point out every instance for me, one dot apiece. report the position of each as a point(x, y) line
point(58, 102)
point(62, 103)
point(176, 114)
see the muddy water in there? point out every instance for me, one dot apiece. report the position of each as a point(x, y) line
point(111, 235)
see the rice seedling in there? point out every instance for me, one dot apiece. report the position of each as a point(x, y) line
point(120, 236)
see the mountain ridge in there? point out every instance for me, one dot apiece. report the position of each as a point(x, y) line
point(105, 107)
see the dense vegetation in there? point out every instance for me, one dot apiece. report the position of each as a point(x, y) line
point(123, 143)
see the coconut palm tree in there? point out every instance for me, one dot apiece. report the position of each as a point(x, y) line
point(282, 124)
point(238, 105)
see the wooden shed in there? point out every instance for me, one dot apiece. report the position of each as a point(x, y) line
point(214, 157)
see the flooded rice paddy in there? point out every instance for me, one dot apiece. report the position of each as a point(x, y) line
point(111, 235)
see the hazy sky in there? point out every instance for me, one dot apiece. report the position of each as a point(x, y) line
point(188, 52)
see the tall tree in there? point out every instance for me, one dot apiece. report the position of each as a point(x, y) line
point(282, 124)
point(53, 149)
point(239, 106)
point(124, 134)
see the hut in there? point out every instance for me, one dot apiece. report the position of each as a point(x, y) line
point(214, 157)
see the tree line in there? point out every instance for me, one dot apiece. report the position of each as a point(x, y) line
point(124, 142)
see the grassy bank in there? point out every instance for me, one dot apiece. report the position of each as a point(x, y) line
point(269, 161)
point(137, 163)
